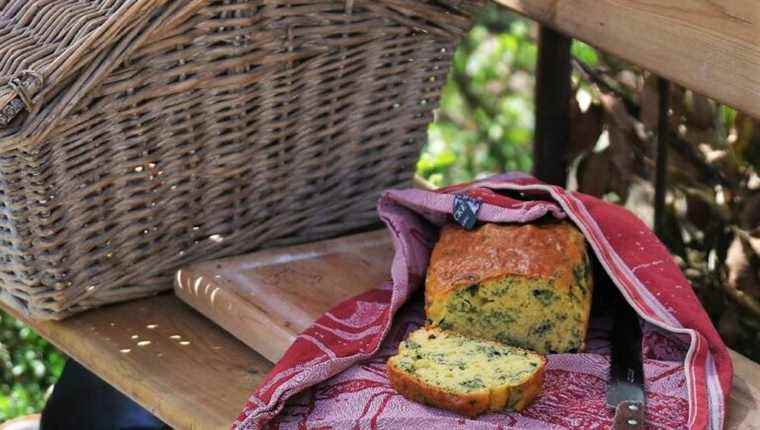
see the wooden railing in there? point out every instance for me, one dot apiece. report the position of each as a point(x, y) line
point(710, 47)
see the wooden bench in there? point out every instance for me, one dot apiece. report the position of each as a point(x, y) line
point(193, 375)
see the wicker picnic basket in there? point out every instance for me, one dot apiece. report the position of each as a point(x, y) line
point(138, 136)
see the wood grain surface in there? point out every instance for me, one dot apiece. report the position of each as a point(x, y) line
point(711, 47)
point(265, 299)
point(744, 406)
point(165, 356)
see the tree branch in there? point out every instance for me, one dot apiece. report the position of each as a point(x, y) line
point(596, 78)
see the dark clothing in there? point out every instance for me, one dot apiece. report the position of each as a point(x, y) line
point(82, 401)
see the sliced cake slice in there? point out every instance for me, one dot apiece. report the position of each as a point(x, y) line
point(465, 375)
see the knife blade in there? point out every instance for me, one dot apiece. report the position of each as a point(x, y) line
point(625, 390)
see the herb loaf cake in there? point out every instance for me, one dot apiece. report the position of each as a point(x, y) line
point(523, 285)
point(465, 375)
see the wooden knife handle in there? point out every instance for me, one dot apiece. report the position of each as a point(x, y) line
point(629, 416)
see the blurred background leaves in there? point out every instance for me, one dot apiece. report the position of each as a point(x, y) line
point(485, 121)
point(28, 367)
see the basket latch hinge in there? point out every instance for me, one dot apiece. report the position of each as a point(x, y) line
point(23, 87)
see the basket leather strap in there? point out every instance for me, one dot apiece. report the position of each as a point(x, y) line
point(75, 71)
point(23, 87)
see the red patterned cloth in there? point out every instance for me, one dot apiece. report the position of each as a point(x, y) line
point(333, 376)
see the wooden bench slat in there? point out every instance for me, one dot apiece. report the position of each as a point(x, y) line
point(192, 374)
point(204, 383)
point(710, 47)
point(744, 406)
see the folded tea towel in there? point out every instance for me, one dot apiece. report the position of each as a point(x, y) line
point(333, 376)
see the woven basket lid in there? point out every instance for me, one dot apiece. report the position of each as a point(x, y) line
point(53, 52)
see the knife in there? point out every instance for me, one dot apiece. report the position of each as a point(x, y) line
point(625, 391)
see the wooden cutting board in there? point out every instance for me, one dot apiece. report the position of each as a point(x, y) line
point(266, 298)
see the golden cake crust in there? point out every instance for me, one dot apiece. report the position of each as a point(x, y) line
point(527, 285)
point(470, 404)
point(462, 258)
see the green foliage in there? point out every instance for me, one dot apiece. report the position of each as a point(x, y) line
point(584, 53)
point(485, 120)
point(28, 366)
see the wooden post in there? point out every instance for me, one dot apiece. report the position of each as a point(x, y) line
point(552, 107)
point(661, 163)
